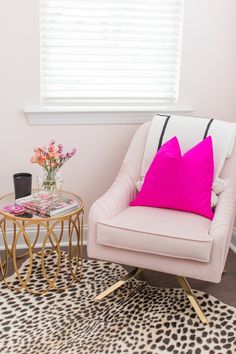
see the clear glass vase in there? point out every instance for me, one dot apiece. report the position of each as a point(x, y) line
point(50, 181)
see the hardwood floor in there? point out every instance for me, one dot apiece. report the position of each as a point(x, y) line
point(224, 291)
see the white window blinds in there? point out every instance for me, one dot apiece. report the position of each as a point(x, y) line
point(114, 51)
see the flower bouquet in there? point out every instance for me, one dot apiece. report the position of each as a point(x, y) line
point(51, 158)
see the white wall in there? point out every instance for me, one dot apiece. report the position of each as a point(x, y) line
point(208, 82)
point(209, 57)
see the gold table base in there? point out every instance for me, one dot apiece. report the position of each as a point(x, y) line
point(53, 229)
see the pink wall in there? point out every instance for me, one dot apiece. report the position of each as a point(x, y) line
point(208, 83)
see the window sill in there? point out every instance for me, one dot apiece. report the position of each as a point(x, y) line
point(51, 115)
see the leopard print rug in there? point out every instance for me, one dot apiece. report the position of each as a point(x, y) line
point(137, 318)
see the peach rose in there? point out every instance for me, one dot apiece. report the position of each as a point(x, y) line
point(33, 159)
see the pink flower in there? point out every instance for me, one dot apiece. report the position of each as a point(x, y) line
point(51, 148)
point(60, 148)
point(37, 153)
point(42, 149)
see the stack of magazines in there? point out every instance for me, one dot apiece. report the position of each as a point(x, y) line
point(46, 204)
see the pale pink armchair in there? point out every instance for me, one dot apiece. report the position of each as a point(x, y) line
point(176, 242)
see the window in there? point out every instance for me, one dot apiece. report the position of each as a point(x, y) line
point(110, 52)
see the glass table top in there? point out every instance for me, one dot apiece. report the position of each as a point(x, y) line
point(9, 200)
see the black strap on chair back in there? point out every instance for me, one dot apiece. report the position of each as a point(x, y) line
point(165, 126)
point(163, 131)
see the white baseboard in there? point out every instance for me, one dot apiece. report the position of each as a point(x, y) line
point(233, 247)
point(31, 234)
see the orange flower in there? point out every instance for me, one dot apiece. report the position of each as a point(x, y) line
point(53, 155)
point(41, 160)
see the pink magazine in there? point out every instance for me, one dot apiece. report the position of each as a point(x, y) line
point(46, 203)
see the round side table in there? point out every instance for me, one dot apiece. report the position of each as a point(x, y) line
point(43, 239)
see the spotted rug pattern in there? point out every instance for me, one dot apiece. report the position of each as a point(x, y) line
point(137, 318)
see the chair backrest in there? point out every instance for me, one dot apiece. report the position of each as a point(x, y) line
point(132, 163)
point(190, 131)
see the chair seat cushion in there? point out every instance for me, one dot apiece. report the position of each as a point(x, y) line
point(163, 232)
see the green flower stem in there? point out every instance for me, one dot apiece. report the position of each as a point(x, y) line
point(50, 183)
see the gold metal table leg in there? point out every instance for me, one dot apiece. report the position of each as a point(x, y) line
point(192, 298)
point(118, 284)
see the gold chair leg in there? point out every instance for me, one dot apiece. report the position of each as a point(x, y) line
point(121, 282)
point(192, 298)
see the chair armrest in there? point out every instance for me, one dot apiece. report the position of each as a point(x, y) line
point(117, 197)
point(111, 203)
point(222, 224)
point(225, 209)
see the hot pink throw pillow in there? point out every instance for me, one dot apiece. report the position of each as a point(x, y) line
point(180, 182)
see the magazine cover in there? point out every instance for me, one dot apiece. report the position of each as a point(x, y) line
point(46, 204)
